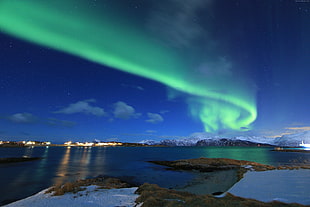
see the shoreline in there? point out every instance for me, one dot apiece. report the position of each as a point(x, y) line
point(148, 195)
point(99, 191)
point(279, 149)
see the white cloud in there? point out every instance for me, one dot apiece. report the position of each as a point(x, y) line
point(83, 107)
point(154, 118)
point(124, 111)
point(22, 118)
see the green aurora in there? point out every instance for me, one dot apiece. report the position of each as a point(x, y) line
point(109, 38)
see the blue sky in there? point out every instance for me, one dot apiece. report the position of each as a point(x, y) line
point(50, 94)
point(263, 47)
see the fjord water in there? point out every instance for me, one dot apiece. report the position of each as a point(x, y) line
point(61, 164)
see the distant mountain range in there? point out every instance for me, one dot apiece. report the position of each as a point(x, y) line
point(292, 140)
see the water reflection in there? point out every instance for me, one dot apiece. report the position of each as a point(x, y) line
point(63, 168)
point(23, 173)
point(41, 169)
point(84, 162)
point(100, 160)
point(239, 153)
point(28, 152)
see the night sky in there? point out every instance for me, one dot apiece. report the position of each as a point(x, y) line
point(132, 70)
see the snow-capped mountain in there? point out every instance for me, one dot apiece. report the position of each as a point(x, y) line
point(292, 140)
point(148, 142)
point(192, 141)
point(230, 142)
point(256, 139)
point(173, 142)
point(212, 141)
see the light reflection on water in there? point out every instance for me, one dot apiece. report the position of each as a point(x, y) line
point(28, 151)
point(63, 168)
point(60, 164)
point(85, 161)
point(100, 160)
point(77, 163)
point(41, 170)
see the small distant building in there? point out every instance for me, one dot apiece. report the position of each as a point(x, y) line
point(109, 144)
point(88, 144)
point(30, 143)
point(68, 143)
point(79, 144)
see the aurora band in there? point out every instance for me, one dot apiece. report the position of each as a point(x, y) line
point(110, 40)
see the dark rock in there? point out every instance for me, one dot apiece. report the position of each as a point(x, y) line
point(17, 159)
point(217, 193)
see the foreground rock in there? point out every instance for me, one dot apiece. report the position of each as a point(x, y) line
point(151, 196)
point(79, 185)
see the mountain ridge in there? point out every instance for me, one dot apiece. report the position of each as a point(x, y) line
point(291, 140)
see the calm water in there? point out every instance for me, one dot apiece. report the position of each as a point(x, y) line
point(60, 164)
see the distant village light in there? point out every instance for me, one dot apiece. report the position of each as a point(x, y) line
point(91, 144)
point(30, 143)
point(68, 143)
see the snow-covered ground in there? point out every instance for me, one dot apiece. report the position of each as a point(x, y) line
point(91, 197)
point(289, 186)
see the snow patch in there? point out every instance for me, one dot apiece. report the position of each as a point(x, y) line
point(289, 186)
point(91, 197)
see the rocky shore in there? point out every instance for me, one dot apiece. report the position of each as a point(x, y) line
point(79, 185)
point(213, 164)
point(217, 164)
point(107, 191)
point(152, 195)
